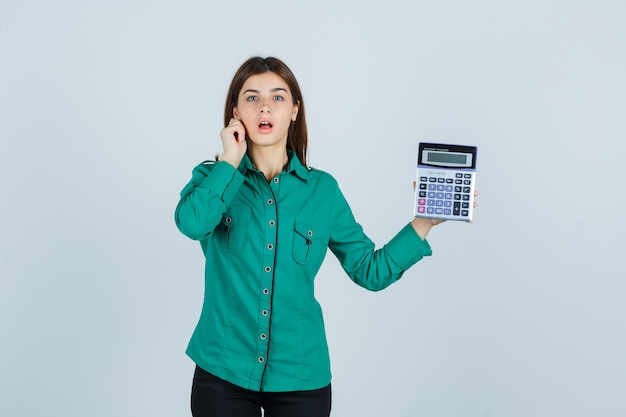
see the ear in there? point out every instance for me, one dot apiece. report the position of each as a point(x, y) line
point(294, 115)
point(235, 113)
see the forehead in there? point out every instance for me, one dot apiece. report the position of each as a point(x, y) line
point(267, 81)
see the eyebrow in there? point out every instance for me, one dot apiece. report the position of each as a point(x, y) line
point(273, 90)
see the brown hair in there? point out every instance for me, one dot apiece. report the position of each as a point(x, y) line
point(297, 137)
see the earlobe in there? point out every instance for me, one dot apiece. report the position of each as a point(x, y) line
point(235, 113)
point(294, 116)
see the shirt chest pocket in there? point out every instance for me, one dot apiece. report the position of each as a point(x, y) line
point(231, 233)
point(310, 242)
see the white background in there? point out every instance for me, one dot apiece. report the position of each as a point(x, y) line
point(105, 108)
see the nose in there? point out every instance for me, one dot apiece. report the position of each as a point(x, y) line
point(265, 108)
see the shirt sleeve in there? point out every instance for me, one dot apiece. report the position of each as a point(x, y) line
point(206, 197)
point(370, 268)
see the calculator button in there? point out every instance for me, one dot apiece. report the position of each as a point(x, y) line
point(423, 179)
point(464, 213)
point(449, 180)
point(468, 175)
point(440, 188)
point(421, 209)
point(459, 175)
point(430, 210)
point(438, 211)
point(423, 186)
point(448, 196)
point(456, 209)
point(466, 189)
point(432, 179)
point(422, 193)
point(458, 181)
point(439, 196)
point(466, 197)
point(457, 197)
point(465, 205)
point(447, 203)
point(421, 202)
point(458, 189)
point(432, 187)
point(439, 203)
point(432, 194)
point(467, 182)
point(441, 180)
point(447, 212)
point(449, 188)
point(431, 202)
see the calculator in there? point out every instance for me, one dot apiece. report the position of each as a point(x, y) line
point(444, 187)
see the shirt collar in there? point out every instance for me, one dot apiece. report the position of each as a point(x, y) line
point(295, 166)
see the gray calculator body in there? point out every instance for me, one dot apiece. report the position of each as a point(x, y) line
point(445, 182)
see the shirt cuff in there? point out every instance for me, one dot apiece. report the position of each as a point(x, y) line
point(224, 180)
point(407, 247)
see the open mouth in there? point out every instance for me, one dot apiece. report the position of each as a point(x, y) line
point(265, 125)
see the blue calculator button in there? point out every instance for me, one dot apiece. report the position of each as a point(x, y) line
point(448, 196)
point(431, 202)
point(430, 210)
point(449, 188)
point(438, 211)
point(432, 187)
point(447, 203)
point(440, 196)
point(432, 194)
point(440, 188)
point(447, 212)
point(439, 203)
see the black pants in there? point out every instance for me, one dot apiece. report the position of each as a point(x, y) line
point(214, 397)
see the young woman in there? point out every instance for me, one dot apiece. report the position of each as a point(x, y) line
point(265, 220)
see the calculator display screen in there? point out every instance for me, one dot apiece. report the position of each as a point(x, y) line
point(451, 158)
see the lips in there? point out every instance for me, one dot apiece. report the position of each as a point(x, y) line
point(265, 125)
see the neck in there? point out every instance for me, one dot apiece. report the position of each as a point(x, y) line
point(269, 161)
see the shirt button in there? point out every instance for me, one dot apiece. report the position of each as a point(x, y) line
point(270, 201)
point(268, 269)
point(270, 246)
point(261, 359)
point(266, 291)
point(272, 223)
point(228, 220)
point(276, 180)
point(310, 233)
point(265, 312)
point(263, 336)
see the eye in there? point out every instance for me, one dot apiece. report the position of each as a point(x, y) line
point(252, 98)
point(279, 98)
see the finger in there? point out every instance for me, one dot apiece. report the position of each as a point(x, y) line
point(414, 185)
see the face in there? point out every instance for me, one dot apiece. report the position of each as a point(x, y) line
point(265, 107)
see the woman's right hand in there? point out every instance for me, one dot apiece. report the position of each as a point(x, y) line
point(234, 142)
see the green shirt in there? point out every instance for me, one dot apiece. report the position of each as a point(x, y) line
point(261, 327)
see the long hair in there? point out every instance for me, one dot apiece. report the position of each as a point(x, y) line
point(297, 137)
